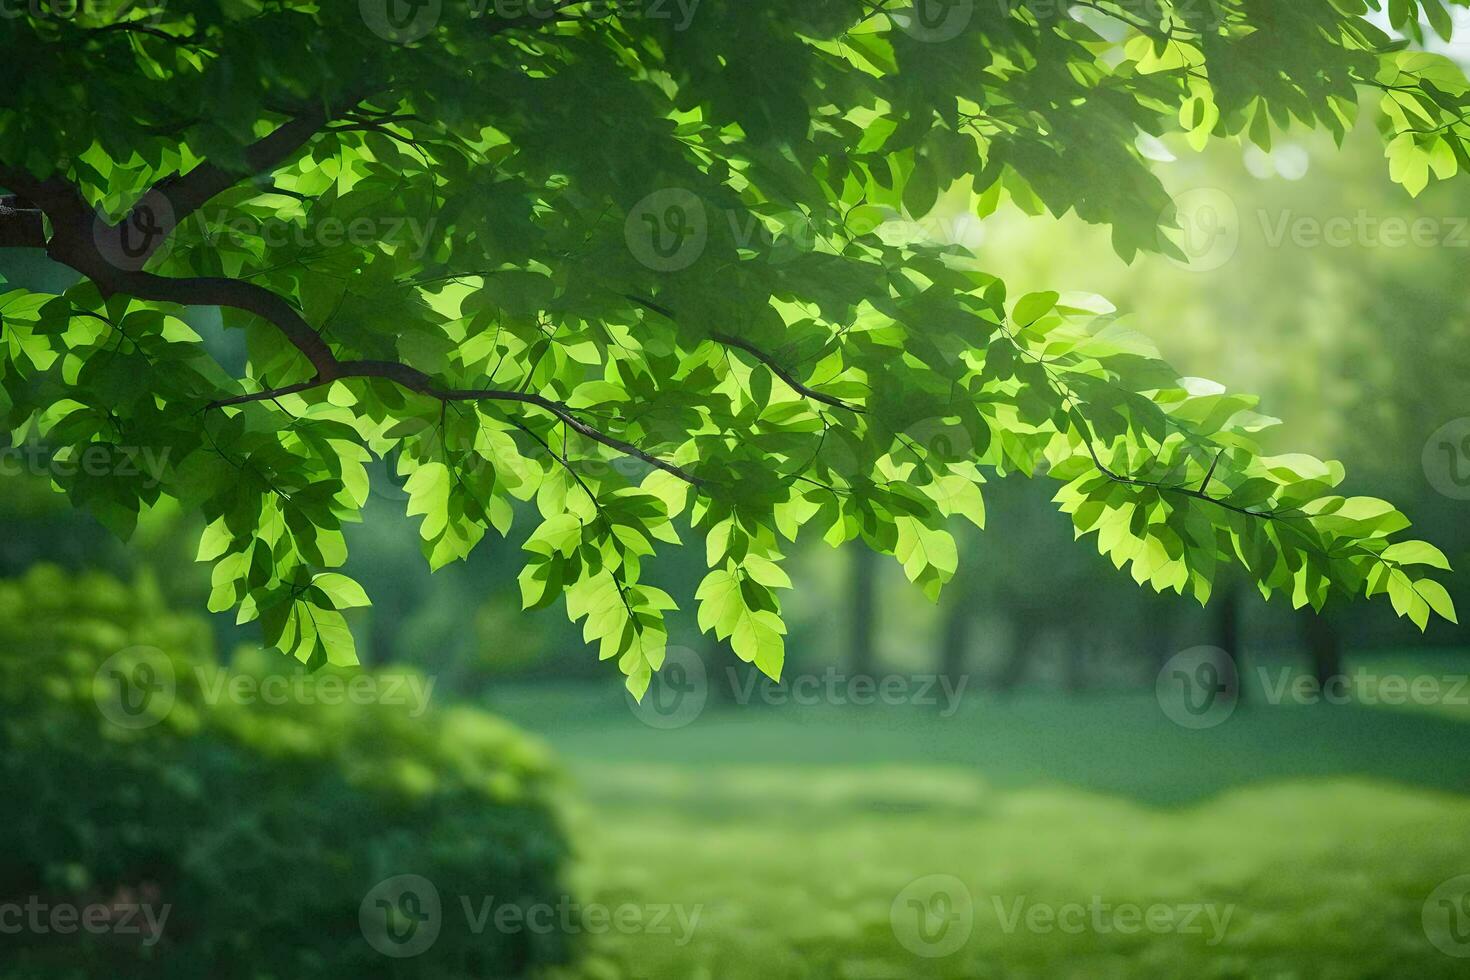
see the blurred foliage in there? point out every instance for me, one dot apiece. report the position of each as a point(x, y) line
point(262, 825)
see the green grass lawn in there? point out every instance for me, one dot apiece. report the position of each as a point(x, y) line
point(1320, 831)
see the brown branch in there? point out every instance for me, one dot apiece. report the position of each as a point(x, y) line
point(189, 192)
point(184, 194)
point(1069, 402)
point(78, 228)
point(232, 293)
point(730, 340)
point(275, 310)
point(417, 381)
point(135, 27)
point(269, 394)
point(76, 242)
point(1086, 432)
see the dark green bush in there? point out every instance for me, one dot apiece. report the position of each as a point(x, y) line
point(262, 827)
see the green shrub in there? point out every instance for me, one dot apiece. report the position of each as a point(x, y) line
point(262, 827)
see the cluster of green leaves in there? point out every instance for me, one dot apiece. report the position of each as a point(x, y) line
point(801, 367)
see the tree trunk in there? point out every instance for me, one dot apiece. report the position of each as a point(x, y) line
point(1227, 634)
point(1074, 661)
point(954, 650)
point(1161, 630)
point(1324, 646)
point(1023, 639)
point(862, 616)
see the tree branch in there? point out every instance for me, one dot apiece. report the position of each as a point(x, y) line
point(75, 243)
point(189, 192)
point(730, 340)
point(267, 395)
point(417, 381)
point(232, 293)
point(275, 310)
point(1086, 431)
point(78, 228)
point(1070, 402)
point(136, 27)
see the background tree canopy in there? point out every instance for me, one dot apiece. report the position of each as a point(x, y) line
point(637, 263)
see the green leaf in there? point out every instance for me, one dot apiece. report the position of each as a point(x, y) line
point(1416, 553)
point(1033, 306)
point(343, 591)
